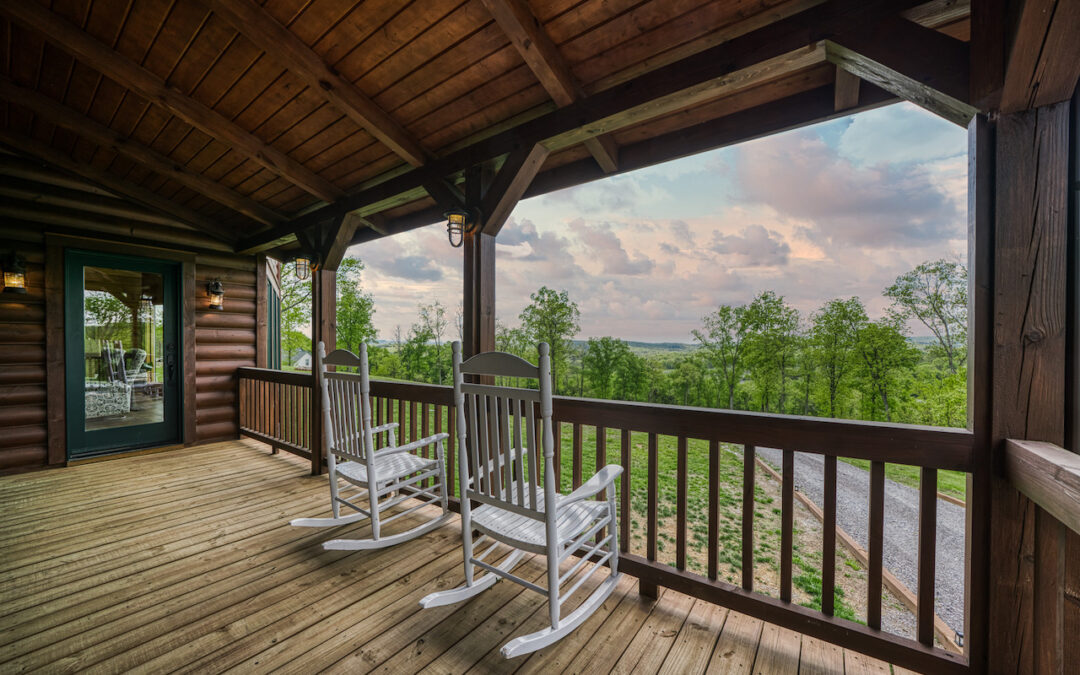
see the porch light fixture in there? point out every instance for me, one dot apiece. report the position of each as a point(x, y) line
point(146, 305)
point(457, 224)
point(215, 290)
point(304, 263)
point(14, 266)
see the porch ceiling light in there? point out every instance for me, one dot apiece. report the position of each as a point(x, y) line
point(457, 224)
point(14, 266)
point(304, 263)
point(215, 290)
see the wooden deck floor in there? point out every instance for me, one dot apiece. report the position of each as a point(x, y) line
point(183, 561)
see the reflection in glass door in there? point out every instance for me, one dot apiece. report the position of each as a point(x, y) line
point(122, 353)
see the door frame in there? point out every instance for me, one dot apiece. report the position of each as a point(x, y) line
point(55, 245)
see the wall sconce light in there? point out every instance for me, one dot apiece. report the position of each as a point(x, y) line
point(14, 273)
point(457, 224)
point(215, 290)
point(304, 263)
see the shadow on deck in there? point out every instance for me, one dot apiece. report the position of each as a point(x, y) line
point(184, 561)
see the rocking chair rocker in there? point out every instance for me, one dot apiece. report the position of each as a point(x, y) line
point(383, 473)
point(513, 509)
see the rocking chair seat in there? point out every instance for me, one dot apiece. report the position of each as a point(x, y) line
point(574, 520)
point(388, 467)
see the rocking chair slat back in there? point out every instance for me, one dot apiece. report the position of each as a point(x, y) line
point(347, 415)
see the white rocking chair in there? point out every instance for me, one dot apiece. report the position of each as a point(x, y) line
point(390, 475)
point(493, 468)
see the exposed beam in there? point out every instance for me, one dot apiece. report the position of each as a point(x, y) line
point(116, 185)
point(846, 90)
point(283, 46)
point(542, 56)
point(53, 195)
point(1044, 58)
point(509, 185)
point(337, 239)
point(756, 57)
point(916, 63)
point(98, 133)
point(72, 39)
point(444, 194)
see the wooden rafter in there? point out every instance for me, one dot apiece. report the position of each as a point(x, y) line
point(846, 90)
point(509, 185)
point(1044, 59)
point(99, 56)
point(118, 186)
point(281, 45)
point(916, 63)
point(61, 115)
point(542, 56)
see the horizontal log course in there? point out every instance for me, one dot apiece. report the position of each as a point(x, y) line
point(226, 275)
point(232, 291)
point(222, 336)
point(22, 394)
point(24, 311)
point(229, 367)
point(12, 374)
point(228, 261)
point(216, 431)
point(208, 383)
point(221, 352)
point(19, 415)
point(22, 353)
point(204, 416)
point(34, 434)
point(18, 458)
point(211, 399)
point(22, 333)
point(229, 305)
point(213, 319)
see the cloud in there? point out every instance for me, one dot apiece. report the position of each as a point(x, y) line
point(409, 267)
point(602, 244)
point(754, 246)
point(514, 232)
point(900, 133)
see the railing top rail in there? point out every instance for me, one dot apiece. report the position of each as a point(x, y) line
point(414, 391)
point(271, 375)
point(1049, 475)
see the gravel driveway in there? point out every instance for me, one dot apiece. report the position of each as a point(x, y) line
point(901, 526)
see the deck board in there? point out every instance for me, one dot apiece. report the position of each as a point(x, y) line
point(184, 561)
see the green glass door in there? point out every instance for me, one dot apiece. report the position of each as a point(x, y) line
point(123, 361)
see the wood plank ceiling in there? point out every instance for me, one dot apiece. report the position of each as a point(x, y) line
point(166, 102)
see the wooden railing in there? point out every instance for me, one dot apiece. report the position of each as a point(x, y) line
point(633, 434)
point(1048, 475)
point(275, 408)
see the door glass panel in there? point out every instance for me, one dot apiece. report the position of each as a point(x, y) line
point(123, 318)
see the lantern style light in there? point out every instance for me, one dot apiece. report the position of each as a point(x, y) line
point(303, 264)
point(14, 266)
point(457, 222)
point(215, 290)
point(146, 305)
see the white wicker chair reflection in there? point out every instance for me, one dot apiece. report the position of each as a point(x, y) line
point(497, 471)
point(382, 473)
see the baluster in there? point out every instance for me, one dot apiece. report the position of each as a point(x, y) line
point(714, 508)
point(876, 538)
point(624, 507)
point(402, 423)
point(748, 518)
point(927, 551)
point(577, 460)
point(680, 506)
point(787, 524)
point(828, 538)
point(412, 421)
point(425, 431)
point(648, 588)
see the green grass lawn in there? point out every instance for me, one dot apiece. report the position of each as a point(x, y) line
point(952, 483)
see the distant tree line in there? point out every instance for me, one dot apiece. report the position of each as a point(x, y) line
point(764, 356)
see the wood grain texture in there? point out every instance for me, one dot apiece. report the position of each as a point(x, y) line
point(1044, 59)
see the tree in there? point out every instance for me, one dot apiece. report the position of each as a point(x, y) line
point(834, 332)
point(771, 330)
point(601, 363)
point(935, 293)
point(355, 308)
point(433, 319)
point(723, 339)
point(552, 318)
point(883, 353)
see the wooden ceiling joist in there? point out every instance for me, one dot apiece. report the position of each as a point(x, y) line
point(118, 186)
point(289, 51)
point(101, 57)
point(916, 63)
point(542, 56)
point(65, 117)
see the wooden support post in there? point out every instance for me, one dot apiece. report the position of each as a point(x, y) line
point(261, 318)
point(323, 329)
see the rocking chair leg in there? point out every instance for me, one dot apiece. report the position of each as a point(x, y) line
point(471, 589)
point(526, 644)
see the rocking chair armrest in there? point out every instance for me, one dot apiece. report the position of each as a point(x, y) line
point(415, 445)
point(600, 480)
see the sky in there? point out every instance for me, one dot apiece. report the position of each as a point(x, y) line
point(837, 209)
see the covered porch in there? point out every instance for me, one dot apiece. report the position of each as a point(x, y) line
point(175, 567)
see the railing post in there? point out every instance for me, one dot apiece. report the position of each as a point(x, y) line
point(323, 329)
